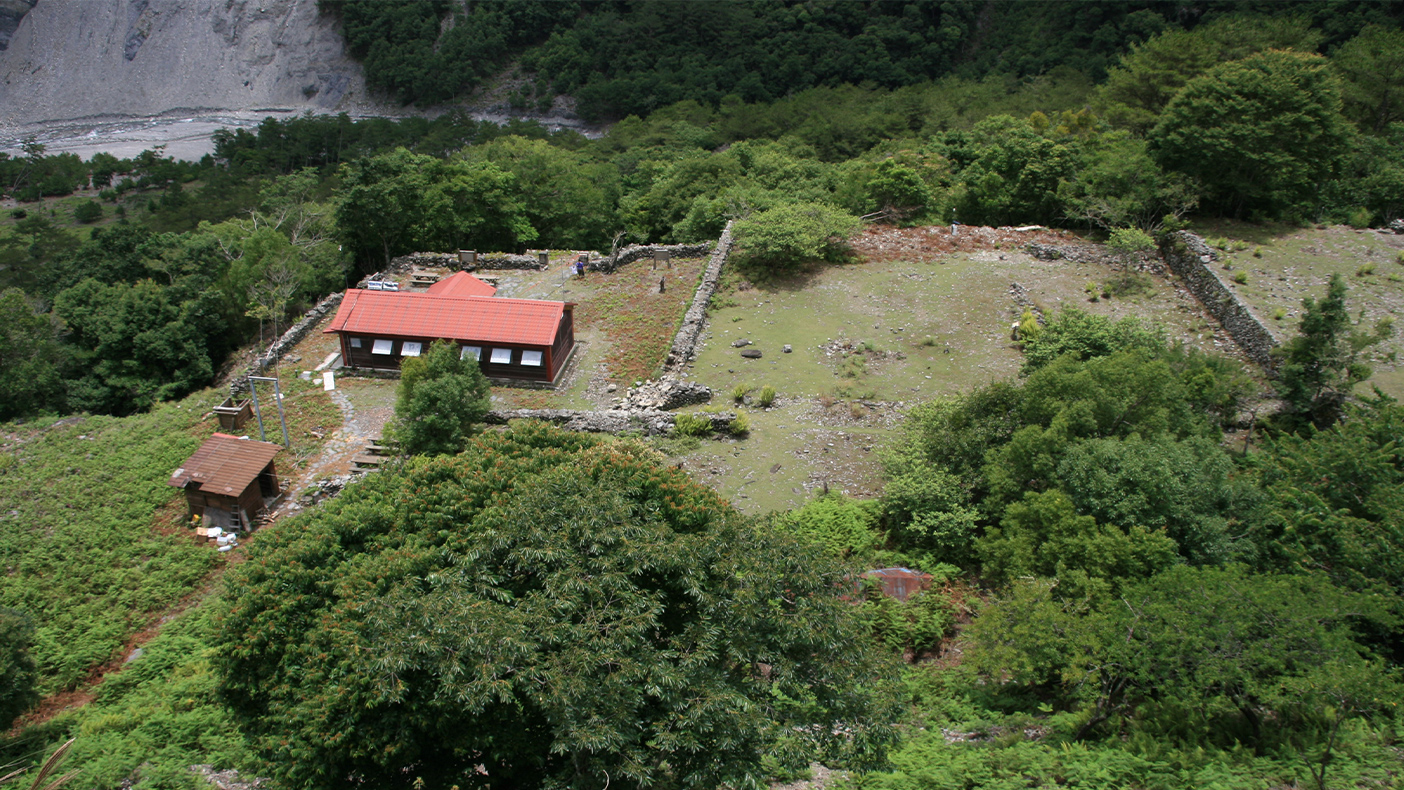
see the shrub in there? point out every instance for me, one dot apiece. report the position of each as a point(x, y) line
point(740, 426)
point(691, 425)
point(841, 525)
point(740, 391)
point(788, 236)
point(1257, 252)
point(90, 211)
point(1279, 314)
point(1365, 269)
point(1359, 218)
point(19, 213)
point(767, 396)
point(1240, 277)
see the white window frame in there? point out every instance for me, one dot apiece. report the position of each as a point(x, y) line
point(531, 359)
point(474, 352)
point(501, 356)
point(385, 347)
point(409, 348)
point(355, 342)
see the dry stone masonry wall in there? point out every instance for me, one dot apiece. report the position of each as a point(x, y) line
point(685, 341)
point(635, 251)
point(616, 421)
point(285, 343)
point(1189, 257)
point(449, 260)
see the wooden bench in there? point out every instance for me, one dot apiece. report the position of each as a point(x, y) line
point(423, 280)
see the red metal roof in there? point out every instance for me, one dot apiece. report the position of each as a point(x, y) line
point(900, 583)
point(461, 284)
point(225, 464)
point(530, 322)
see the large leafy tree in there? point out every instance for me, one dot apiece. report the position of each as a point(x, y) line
point(543, 610)
point(791, 235)
point(1151, 74)
point(1260, 133)
point(139, 343)
point(1014, 174)
point(442, 396)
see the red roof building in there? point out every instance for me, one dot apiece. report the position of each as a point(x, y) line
point(524, 339)
point(462, 284)
point(227, 480)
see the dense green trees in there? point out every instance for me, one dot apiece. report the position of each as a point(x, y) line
point(442, 396)
point(403, 202)
point(1259, 133)
point(1235, 655)
point(31, 358)
point(554, 609)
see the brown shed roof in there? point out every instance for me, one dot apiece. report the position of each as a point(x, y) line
point(225, 464)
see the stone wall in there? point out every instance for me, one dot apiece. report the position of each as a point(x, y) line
point(636, 251)
point(285, 343)
point(1192, 260)
point(449, 260)
point(616, 421)
point(685, 341)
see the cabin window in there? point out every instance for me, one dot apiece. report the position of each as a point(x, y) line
point(408, 349)
point(355, 342)
point(531, 358)
point(474, 353)
point(383, 347)
point(502, 356)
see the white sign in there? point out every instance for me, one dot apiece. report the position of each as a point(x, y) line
point(328, 381)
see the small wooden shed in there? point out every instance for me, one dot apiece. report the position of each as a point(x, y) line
point(228, 479)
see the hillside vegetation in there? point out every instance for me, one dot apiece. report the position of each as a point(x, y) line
point(1147, 565)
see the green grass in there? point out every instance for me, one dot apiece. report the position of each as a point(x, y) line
point(1300, 264)
point(93, 540)
point(82, 558)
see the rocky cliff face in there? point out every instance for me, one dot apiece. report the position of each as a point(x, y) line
point(71, 59)
point(11, 12)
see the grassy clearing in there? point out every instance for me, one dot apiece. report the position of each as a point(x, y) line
point(639, 322)
point(871, 339)
point(1283, 265)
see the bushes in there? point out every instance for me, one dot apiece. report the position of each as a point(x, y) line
point(692, 425)
point(89, 211)
point(789, 236)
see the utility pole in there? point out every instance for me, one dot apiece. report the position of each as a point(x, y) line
point(278, 397)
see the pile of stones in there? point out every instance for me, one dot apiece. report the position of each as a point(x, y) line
point(663, 395)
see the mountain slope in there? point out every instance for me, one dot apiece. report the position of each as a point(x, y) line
point(70, 59)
